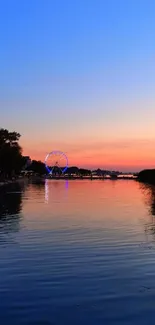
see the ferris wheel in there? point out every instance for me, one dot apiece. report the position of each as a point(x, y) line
point(56, 163)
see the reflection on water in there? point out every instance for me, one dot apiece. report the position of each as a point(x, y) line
point(55, 184)
point(46, 191)
point(81, 252)
point(152, 200)
point(149, 199)
point(10, 207)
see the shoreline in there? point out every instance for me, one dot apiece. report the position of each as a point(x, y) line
point(41, 179)
point(91, 179)
point(8, 182)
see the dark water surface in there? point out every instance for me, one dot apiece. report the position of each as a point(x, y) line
point(77, 252)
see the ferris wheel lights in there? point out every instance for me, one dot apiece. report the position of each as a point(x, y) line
point(56, 162)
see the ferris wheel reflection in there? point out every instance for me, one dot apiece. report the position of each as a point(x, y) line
point(46, 191)
point(66, 184)
point(47, 188)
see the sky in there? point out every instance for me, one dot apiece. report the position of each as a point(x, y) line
point(79, 76)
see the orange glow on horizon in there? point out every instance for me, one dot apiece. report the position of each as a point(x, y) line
point(118, 154)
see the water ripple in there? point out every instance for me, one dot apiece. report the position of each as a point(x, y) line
point(83, 255)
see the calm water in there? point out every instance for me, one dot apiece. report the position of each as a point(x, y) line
point(77, 252)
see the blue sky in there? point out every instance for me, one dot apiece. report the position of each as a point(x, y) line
point(79, 74)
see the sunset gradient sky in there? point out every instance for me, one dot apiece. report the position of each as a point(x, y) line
point(79, 76)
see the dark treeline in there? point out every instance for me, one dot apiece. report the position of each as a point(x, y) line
point(11, 159)
point(78, 171)
point(37, 167)
point(147, 176)
point(12, 162)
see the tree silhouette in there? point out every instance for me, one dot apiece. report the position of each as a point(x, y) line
point(10, 154)
point(147, 176)
point(37, 167)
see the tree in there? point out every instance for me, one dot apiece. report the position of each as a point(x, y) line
point(147, 176)
point(10, 153)
point(37, 167)
point(84, 172)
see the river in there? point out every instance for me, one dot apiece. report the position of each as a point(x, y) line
point(77, 252)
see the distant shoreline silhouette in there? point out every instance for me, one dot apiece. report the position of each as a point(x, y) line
point(13, 164)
